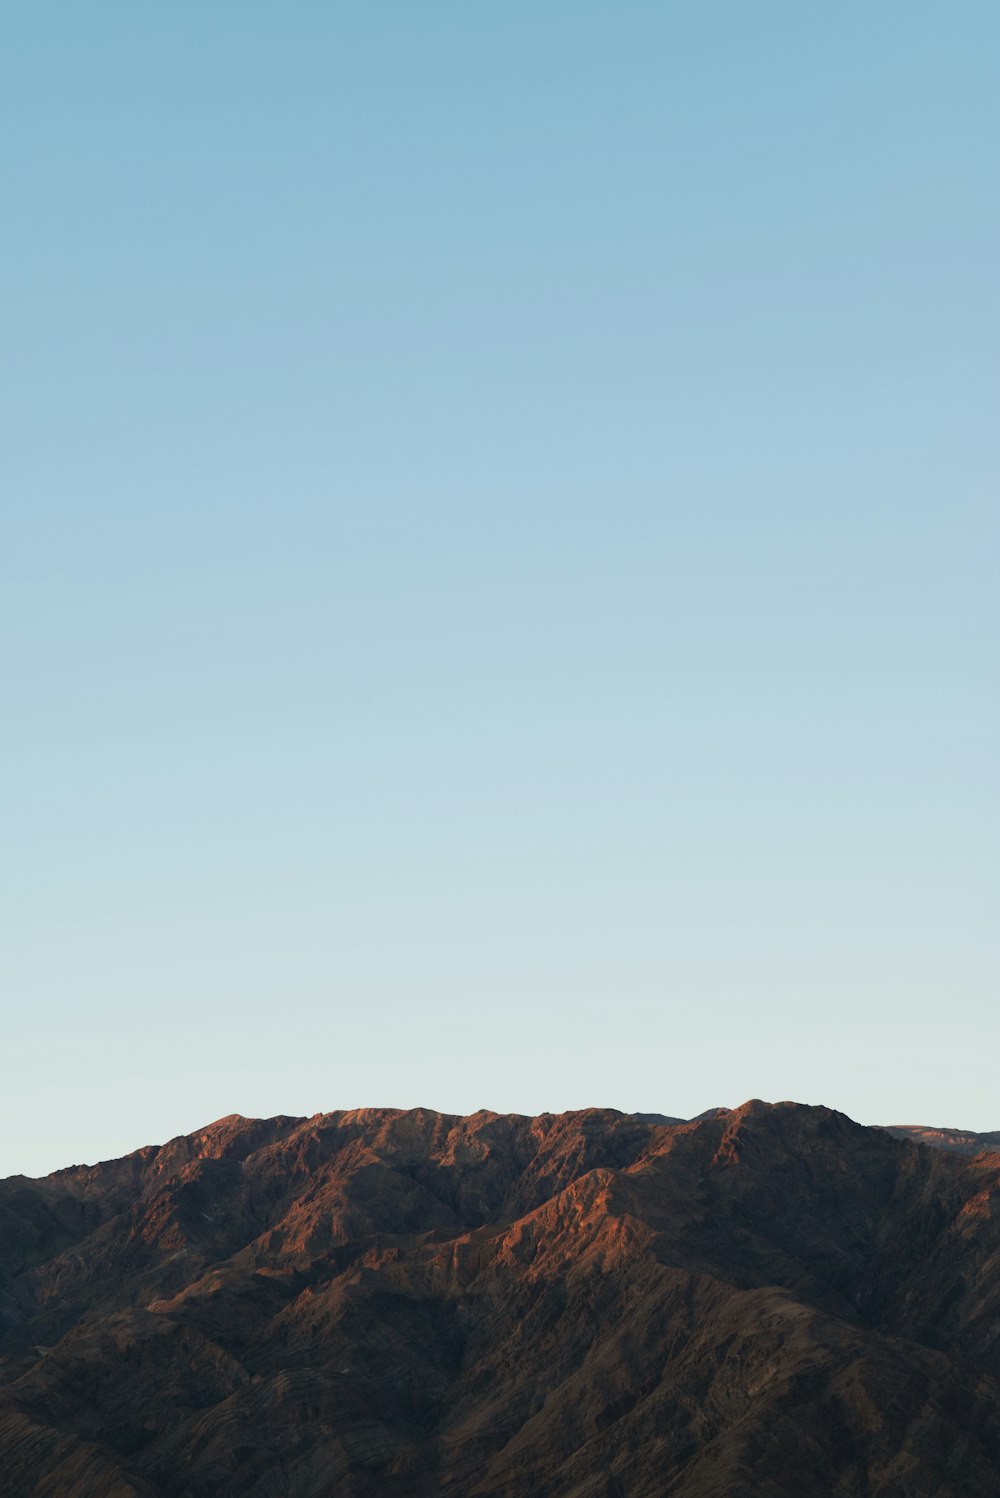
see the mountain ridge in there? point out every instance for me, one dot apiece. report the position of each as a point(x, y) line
point(956, 1139)
point(770, 1299)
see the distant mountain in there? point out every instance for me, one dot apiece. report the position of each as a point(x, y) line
point(657, 1118)
point(958, 1141)
point(767, 1302)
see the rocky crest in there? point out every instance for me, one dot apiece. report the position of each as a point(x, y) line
point(767, 1302)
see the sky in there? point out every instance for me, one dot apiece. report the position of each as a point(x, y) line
point(498, 573)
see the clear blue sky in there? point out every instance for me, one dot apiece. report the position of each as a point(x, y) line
point(499, 561)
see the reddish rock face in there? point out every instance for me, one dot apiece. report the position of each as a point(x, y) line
point(765, 1302)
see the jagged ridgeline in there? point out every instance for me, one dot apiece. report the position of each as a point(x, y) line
point(762, 1302)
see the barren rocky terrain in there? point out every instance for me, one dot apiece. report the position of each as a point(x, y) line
point(768, 1302)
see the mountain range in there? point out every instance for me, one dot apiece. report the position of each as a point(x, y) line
point(770, 1301)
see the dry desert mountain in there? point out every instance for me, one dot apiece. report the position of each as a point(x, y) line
point(765, 1302)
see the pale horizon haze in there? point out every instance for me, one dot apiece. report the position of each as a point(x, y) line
point(499, 562)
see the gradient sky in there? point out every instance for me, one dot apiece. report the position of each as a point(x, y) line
point(499, 561)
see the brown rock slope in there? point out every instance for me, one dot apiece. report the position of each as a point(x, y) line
point(381, 1304)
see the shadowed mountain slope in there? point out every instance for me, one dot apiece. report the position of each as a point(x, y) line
point(766, 1301)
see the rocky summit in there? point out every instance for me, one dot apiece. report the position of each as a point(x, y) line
point(767, 1302)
